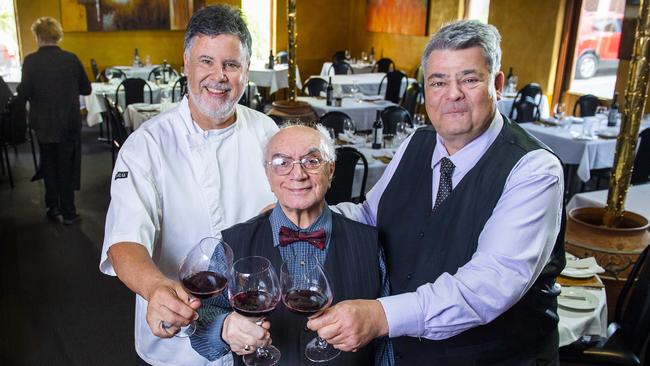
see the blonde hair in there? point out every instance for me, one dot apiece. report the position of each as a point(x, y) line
point(47, 29)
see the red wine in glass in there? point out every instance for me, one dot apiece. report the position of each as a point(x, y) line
point(305, 302)
point(204, 273)
point(254, 303)
point(306, 290)
point(205, 284)
point(254, 292)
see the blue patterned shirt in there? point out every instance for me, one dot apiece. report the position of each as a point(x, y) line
point(207, 340)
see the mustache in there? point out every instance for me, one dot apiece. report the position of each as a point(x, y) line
point(216, 85)
point(454, 107)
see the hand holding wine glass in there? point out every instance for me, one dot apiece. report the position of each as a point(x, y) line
point(306, 291)
point(204, 273)
point(254, 292)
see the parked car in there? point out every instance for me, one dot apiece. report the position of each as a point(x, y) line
point(599, 37)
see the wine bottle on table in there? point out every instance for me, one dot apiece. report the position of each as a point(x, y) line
point(329, 93)
point(378, 132)
point(136, 58)
point(372, 55)
point(271, 60)
point(612, 118)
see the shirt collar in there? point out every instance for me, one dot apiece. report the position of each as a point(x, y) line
point(465, 158)
point(279, 219)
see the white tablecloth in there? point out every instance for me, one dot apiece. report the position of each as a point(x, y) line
point(275, 79)
point(357, 68)
point(576, 323)
point(137, 72)
point(368, 83)
point(505, 105)
point(362, 113)
point(637, 200)
point(94, 102)
point(587, 155)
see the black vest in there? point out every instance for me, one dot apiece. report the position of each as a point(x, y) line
point(421, 244)
point(352, 268)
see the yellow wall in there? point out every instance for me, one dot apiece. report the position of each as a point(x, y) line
point(530, 32)
point(108, 48)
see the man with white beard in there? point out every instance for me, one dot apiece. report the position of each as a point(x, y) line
point(187, 174)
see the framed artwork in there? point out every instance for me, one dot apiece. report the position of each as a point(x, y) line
point(116, 15)
point(408, 17)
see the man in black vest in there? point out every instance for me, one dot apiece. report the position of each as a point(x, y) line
point(299, 164)
point(470, 215)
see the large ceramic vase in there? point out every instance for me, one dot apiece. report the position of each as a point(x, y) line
point(615, 249)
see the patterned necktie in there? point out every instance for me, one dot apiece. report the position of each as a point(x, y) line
point(444, 187)
point(289, 236)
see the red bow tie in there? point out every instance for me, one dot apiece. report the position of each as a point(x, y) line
point(288, 236)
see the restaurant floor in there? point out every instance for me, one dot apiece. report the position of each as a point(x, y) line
point(56, 308)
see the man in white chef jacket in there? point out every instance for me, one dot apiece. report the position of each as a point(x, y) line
point(184, 175)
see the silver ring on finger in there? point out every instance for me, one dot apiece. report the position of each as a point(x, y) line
point(247, 348)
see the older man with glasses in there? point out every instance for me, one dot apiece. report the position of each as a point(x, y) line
point(299, 164)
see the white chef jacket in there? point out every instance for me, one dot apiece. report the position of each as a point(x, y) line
point(174, 184)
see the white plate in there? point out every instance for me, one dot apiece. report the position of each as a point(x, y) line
point(577, 272)
point(576, 298)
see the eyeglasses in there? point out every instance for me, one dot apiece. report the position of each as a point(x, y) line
point(282, 165)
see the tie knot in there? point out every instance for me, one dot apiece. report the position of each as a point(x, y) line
point(446, 166)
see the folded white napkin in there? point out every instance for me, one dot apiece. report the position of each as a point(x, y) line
point(351, 138)
point(582, 266)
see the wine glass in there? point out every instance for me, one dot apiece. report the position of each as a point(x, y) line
point(559, 111)
point(401, 129)
point(419, 120)
point(306, 291)
point(108, 73)
point(354, 90)
point(348, 127)
point(255, 292)
point(204, 272)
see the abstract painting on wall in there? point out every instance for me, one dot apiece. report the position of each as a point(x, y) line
point(115, 15)
point(408, 17)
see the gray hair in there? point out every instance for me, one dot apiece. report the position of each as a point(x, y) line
point(466, 34)
point(326, 146)
point(215, 20)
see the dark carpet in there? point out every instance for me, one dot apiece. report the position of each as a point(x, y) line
point(56, 308)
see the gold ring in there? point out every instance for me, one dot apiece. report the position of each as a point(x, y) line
point(247, 348)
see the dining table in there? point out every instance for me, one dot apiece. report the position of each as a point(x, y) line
point(141, 72)
point(362, 112)
point(368, 84)
point(504, 105)
point(274, 79)
point(358, 67)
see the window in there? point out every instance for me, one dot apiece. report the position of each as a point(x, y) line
point(597, 43)
point(258, 17)
point(9, 55)
point(477, 9)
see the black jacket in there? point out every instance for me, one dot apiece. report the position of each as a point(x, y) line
point(52, 81)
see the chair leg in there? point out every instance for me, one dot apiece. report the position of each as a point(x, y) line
point(31, 142)
point(6, 155)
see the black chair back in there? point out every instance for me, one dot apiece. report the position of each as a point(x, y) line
point(181, 84)
point(314, 86)
point(393, 86)
point(114, 74)
point(418, 75)
point(340, 68)
point(133, 91)
point(338, 56)
point(95, 69)
point(633, 305)
point(346, 165)
point(384, 65)
point(641, 170)
point(393, 115)
point(526, 104)
point(412, 98)
point(588, 104)
point(250, 99)
point(119, 133)
point(334, 120)
point(282, 57)
point(163, 73)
